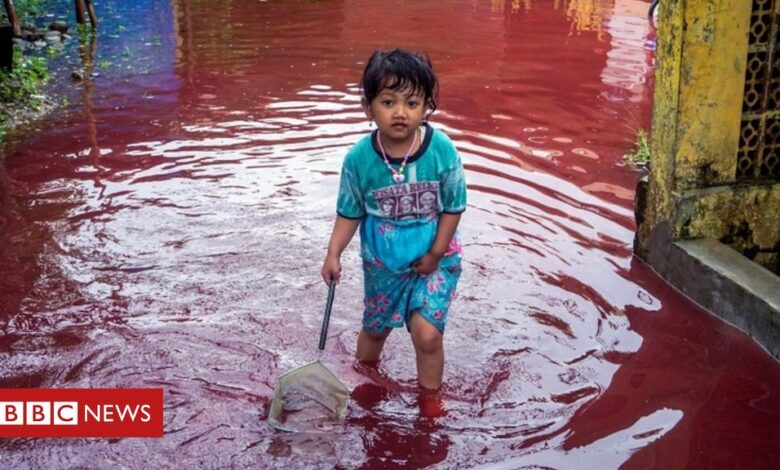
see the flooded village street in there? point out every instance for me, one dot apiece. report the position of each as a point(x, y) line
point(167, 227)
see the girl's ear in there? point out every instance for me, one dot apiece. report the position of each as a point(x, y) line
point(429, 109)
point(367, 108)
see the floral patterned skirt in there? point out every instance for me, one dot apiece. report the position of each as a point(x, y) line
point(391, 297)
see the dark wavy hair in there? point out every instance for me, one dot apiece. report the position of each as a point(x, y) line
point(399, 69)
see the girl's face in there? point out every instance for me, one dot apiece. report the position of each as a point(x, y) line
point(397, 114)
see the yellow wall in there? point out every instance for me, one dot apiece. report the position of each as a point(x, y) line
point(692, 191)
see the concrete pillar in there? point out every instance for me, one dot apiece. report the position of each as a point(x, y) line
point(708, 218)
point(707, 113)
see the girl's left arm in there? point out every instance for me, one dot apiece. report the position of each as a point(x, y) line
point(448, 223)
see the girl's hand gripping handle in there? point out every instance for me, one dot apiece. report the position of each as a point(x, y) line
point(331, 269)
point(343, 230)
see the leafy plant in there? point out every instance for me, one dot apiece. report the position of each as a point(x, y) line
point(28, 74)
point(641, 153)
point(19, 86)
point(29, 8)
point(53, 50)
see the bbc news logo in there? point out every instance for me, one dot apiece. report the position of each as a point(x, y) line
point(66, 413)
point(87, 412)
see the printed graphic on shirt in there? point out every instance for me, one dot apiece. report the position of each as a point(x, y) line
point(408, 201)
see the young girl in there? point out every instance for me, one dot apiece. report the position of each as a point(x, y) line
point(403, 186)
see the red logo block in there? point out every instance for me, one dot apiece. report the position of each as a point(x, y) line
point(81, 412)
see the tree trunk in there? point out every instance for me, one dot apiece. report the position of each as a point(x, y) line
point(11, 11)
point(92, 16)
point(80, 8)
point(6, 49)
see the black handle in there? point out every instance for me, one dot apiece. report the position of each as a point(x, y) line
point(326, 317)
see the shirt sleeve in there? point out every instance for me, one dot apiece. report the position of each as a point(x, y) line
point(350, 200)
point(453, 186)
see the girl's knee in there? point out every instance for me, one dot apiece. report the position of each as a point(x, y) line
point(427, 338)
point(428, 344)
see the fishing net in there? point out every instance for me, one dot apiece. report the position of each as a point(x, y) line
point(311, 396)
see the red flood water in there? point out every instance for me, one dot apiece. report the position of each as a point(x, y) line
point(167, 231)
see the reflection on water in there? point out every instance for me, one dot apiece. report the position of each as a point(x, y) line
point(590, 15)
point(167, 232)
point(584, 15)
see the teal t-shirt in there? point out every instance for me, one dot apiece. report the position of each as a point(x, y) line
point(399, 220)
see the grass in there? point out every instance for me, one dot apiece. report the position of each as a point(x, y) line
point(54, 50)
point(641, 153)
point(19, 88)
point(27, 10)
point(28, 74)
point(20, 95)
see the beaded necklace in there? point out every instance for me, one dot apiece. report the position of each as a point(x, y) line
point(398, 175)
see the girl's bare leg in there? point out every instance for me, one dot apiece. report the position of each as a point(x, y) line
point(429, 346)
point(369, 346)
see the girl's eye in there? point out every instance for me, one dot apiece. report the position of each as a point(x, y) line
point(387, 102)
point(413, 103)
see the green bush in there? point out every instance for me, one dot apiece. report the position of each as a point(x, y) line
point(28, 9)
point(19, 87)
point(28, 74)
point(641, 153)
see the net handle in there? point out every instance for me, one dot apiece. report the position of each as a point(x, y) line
point(326, 317)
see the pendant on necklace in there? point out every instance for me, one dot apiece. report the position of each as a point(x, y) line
point(398, 176)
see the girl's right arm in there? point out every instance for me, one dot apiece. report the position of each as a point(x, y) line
point(343, 231)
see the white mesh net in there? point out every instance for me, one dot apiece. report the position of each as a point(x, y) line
point(308, 398)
